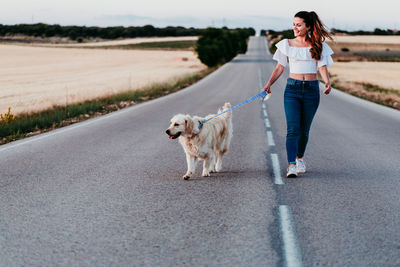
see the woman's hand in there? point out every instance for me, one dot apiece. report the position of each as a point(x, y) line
point(267, 88)
point(327, 88)
point(274, 76)
point(325, 76)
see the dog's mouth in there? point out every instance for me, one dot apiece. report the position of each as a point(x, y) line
point(175, 136)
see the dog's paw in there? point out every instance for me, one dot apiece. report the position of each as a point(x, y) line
point(205, 174)
point(187, 176)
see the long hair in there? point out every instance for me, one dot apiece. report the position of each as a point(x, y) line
point(317, 33)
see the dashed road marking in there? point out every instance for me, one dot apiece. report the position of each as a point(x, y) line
point(267, 124)
point(276, 168)
point(291, 248)
point(270, 138)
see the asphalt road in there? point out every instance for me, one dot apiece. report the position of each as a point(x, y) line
point(109, 191)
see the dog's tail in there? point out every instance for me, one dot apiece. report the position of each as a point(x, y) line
point(227, 115)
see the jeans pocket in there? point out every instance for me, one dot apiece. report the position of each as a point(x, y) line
point(313, 89)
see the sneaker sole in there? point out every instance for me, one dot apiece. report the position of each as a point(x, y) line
point(292, 175)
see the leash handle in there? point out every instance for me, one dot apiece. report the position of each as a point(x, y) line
point(263, 94)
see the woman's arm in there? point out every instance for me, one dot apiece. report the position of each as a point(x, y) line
point(325, 76)
point(274, 76)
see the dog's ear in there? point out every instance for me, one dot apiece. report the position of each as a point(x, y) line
point(189, 125)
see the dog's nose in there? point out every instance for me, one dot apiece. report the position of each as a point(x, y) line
point(167, 131)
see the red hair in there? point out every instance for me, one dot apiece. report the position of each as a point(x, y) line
point(317, 33)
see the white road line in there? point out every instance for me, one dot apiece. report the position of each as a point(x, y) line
point(276, 168)
point(265, 113)
point(291, 248)
point(270, 138)
point(267, 124)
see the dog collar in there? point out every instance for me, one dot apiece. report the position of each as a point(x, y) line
point(201, 124)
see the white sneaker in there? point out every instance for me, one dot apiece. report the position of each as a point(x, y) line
point(300, 165)
point(291, 172)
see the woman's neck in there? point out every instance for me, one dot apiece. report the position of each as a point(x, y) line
point(301, 40)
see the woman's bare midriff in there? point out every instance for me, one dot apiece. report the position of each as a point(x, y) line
point(303, 77)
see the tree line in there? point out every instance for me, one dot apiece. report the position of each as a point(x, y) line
point(75, 32)
point(376, 31)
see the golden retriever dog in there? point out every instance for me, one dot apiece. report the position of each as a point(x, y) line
point(210, 143)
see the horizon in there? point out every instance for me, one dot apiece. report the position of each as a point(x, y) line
point(343, 15)
point(187, 27)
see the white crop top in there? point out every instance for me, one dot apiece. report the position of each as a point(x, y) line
point(299, 58)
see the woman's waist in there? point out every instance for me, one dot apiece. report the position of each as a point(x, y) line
point(303, 76)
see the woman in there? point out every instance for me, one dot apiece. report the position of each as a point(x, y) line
point(306, 54)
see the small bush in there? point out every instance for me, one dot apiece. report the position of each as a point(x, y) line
point(217, 46)
point(8, 117)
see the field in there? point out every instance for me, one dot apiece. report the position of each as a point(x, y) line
point(384, 74)
point(369, 60)
point(36, 78)
point(369, 67)
point(121, 42)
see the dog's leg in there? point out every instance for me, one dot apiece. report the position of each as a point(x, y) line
point(218, 167)
point(190, 166)
point(219, 162)
point(208, 164)
point(212, 165)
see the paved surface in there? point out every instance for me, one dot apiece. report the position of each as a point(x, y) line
point(108, 191)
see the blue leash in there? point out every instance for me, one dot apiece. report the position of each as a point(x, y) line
point(263, 94)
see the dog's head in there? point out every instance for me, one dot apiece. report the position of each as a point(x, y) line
point(182, 125)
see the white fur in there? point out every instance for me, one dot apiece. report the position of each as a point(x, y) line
point(209, 144)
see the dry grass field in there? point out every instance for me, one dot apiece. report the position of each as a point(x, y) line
point(36, 78)
point(128, 41)
point(383, 74)
point(369, 68)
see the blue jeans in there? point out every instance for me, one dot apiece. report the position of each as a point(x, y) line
point(301, 101)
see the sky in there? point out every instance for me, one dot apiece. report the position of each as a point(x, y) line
point(267, 14)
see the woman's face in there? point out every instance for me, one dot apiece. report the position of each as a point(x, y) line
point(299, 27)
